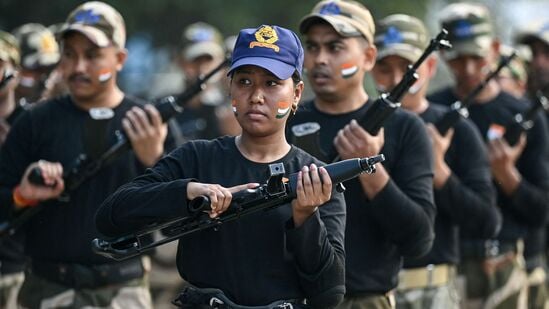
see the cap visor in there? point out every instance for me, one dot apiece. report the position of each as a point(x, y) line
point(95, 35)
point(465, 49)
point(196, 50)
point(336, 23)
point(279, 69)
point(410, 54)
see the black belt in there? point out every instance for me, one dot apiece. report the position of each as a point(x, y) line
point(195, 298)
point(89, 276)
point(485, 248)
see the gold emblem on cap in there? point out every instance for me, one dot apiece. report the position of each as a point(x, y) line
point(266, 37)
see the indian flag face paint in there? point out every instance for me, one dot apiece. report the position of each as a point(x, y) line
point(104, 75)
point(233, 104)
point(495, 131)
point(348, 70)
point(283, 109)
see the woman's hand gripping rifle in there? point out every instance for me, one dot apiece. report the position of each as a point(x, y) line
point(275, 192)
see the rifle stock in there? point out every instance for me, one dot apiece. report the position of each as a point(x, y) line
point(274, 193)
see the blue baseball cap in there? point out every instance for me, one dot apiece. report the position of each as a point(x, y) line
point(273, 48)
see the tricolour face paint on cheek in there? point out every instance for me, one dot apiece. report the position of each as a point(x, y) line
point(283, 109)
point(104, 75)
point(233, 104)
point(348, 70)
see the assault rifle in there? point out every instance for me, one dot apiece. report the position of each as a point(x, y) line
point(306, 136)
point(84, 169)
point(523, 122)
point(274, 193)
point(459, 108)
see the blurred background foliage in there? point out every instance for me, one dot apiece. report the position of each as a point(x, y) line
point(154, 27)
point(164, 19)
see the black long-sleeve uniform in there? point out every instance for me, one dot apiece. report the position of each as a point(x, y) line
point(256, 259)
point(525, 212)
point(59, 131)
point(399, 220)
point(12, 258)
point(466, 202)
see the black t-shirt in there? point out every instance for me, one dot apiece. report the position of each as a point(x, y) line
point(399, 220)
point(466, 203)
point(198, 123)
point(12, 259)
point(255, 259)
point(58, 131)
point(525, 212)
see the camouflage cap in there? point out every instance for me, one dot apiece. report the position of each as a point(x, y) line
point(37, 45)
point(349, 18)
point(99, 22)
point(517, 68)
point(202, 39)
point(9, 49)
point(536, 30)
point(401, 35)
point(469, 29)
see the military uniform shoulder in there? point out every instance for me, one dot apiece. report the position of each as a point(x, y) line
point(49, 105)
point(223, 143)
point(507, 100)
point(305, 106)
point(132, 100)
point(444, 96)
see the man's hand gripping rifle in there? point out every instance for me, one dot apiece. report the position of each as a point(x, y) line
point(524, 121)
point(378, 112)
point(84, 169)
point(274, 193)
point(459, 108)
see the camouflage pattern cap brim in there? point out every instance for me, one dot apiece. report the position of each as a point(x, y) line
point(480, 47)
point(207, 48)
point(9, 48)
point(348, 18)
point(95, 35)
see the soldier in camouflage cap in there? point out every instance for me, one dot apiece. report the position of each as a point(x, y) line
point(39, 55)
point(513, 78)
point(536, 36)
point(64, 271)
point(494, 269)
point(207, 115)
point(340, 39)
point(462, 184)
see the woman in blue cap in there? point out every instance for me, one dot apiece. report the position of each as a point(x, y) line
point(291, 255)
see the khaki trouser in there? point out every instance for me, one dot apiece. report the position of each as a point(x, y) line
point(537, 291)
point(429, 287)
point(444, 296)
point(40, 293)
point(499, 282)
point(386, 301)
point(9, 288)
